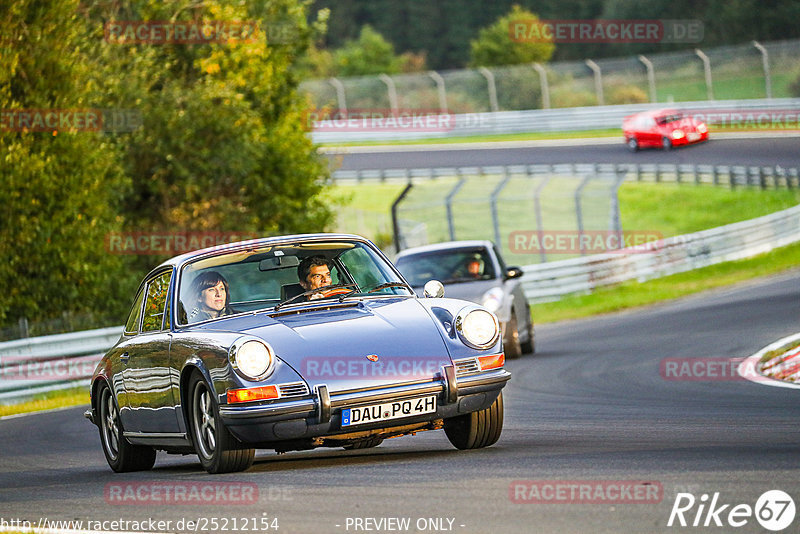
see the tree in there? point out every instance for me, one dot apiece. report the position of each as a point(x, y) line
point(496, 46)
point(222, 146)
point(60, 187)
point(369, 54)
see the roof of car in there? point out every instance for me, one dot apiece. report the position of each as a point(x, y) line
point(178, 260)
point(448, 245)
point(654, 113)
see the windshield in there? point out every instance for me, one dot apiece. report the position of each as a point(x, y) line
point(447, 266)
point(261, 278)
point(666, 119)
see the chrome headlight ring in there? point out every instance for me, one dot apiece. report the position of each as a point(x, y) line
point(252, 358)
point(476, 327)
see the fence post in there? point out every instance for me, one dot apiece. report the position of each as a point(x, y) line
point(651, 77)
point(391, 90)
point(707, 71)
point(340, 96)
point(449, 206)
point(495, 214)
point(616, 222)
point(491, 86)
point(538, 207)
point(395, 220)
point(23, 327)
point(440, 88)
point(765, 63)
point(545, 86)
point(598, 81)
point(579, 212)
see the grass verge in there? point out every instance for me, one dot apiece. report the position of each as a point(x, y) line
point(48, 401)
point(631, 294)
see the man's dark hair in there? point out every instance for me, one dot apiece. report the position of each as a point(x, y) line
point(311, 261)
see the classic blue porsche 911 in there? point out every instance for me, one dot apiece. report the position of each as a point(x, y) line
point(291, 343)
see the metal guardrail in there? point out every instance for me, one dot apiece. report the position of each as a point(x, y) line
point(551, 281)
point(554, 120)
point(725, 175)
point(46, 363)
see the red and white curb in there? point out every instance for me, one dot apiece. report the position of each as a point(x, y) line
point(785, 366)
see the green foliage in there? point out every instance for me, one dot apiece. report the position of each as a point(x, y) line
point(60, 188)
point(222, 145)
point(495, 46)
point(369, 54)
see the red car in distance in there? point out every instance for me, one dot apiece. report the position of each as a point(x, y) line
point(663, 128)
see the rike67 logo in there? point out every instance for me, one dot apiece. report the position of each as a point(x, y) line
point(774, 510)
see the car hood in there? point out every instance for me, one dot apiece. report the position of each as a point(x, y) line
point(331, 345)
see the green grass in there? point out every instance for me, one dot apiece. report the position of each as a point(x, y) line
point(524, 136)
point(48, 401)
point(633, 294)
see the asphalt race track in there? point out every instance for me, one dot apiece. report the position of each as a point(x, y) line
point(762, 151)
point(591, 405)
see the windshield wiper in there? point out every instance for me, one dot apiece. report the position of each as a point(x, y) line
point(377, 288)
point(311, 292)
point(391, 284)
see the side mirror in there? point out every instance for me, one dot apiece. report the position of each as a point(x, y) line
point(513, 272)
point(433, 289)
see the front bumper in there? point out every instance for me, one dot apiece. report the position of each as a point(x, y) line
point(320, 415)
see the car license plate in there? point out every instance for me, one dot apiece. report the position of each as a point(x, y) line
point(389, 410)
point(693, 136)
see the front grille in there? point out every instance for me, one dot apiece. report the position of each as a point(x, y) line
point(293, 389)
point(466, 366)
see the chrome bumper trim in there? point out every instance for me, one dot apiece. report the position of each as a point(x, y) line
point(324, 402)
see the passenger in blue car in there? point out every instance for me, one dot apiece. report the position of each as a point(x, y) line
point(212, 297)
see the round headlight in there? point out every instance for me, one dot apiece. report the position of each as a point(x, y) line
point(252, 358)
point(492, 299)
point(678, 134)
point(477, 327)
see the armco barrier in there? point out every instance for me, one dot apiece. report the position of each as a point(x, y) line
point(551, 281)
point(553, 120)
point(543, 282)
point(46, 363)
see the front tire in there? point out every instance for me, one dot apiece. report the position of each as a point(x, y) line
point(121, 456)
point(477, 429)
point(218, 450)
point(666, 144)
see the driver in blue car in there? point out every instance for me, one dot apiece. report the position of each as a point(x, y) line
point(314, 272)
